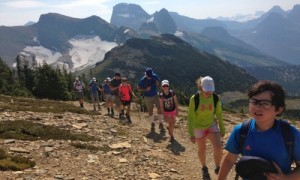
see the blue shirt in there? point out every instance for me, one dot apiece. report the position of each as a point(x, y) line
point(145, 82)
point(93, 86)
point(267, 144)
point(106, 88)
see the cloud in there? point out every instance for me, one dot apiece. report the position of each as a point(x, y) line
point(24, 4)
point(82, 3)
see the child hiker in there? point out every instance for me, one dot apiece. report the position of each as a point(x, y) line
point(125, 93)
point(169, 106)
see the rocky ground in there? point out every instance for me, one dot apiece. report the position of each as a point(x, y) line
point(135, 152)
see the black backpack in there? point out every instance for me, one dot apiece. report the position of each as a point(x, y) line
point(197, 99)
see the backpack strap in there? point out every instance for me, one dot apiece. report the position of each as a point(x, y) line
point(197, 99)
point(243, 134)
point(216, 99)
point(289, 139)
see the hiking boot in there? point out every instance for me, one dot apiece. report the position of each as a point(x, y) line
point(205, 173)
point(161, 126)
point(172, 139)
point(152, 126)
point(129, 120)
point(217, 170)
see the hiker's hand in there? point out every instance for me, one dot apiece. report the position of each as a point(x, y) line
point(148, 88)
point(277, 176)
point(193, 139)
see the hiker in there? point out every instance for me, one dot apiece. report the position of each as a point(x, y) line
point(126, 95)
point(107, 95)
point(94, 89)
point(148, 85)
point(169, 107)
point(205, 121)
point(265, 135)
point(114, 87)
point(79, 90)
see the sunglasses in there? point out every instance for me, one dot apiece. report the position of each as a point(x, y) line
point(165, 86)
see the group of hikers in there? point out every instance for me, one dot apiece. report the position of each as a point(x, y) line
point(269, 146)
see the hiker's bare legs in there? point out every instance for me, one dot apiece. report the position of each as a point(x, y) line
point(201, 143)
point(215, 140)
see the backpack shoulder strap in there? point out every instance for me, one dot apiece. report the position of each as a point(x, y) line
point(289, 138)
point(243, 134)
point(196, 100)
point(216, 99)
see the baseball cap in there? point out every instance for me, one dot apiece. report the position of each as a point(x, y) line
point(108, 79)
point(149, 72)
point(165, 82)
point(252, 167)
point(208, 84)
point(94, 79)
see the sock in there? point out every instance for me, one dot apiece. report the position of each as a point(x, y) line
point(151, 118)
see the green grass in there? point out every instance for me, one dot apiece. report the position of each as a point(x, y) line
point(39, 105)
point(26, 130)
point(15, 163)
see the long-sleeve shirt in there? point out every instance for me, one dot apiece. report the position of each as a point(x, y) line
point(204, 116)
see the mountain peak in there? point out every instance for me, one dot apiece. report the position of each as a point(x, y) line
point(130, 15)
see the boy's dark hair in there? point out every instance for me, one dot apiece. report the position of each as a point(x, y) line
point(278, 93)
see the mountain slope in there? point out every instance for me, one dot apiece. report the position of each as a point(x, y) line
point(229, 48)
point(173, 59)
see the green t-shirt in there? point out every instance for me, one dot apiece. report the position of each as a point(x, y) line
point(204, 116)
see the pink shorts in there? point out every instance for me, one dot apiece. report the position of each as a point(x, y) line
point(170, 114)
point(200, 133)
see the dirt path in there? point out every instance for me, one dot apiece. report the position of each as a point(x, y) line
point(182, 150)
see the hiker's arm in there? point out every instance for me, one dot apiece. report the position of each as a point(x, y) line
point(161, 105)
point(227, 164)
point(191, 117)
point(176, 104)
point(294, 175)
point(219, 114)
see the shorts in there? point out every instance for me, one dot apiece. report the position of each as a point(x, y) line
point(170, 114)
point(116, 100)
point(94, 97)
point(125, 103)
point(108, 98)
point(200, 133)
point(79, 95)
point(151, 101)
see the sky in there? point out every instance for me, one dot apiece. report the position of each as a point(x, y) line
point(19, 12)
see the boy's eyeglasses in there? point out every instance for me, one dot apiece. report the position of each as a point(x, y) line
point(263, 103)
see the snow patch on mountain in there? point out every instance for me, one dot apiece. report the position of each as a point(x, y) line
point(242, 17)
point(85, 51)
point(88, 51)
point(43, 54)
